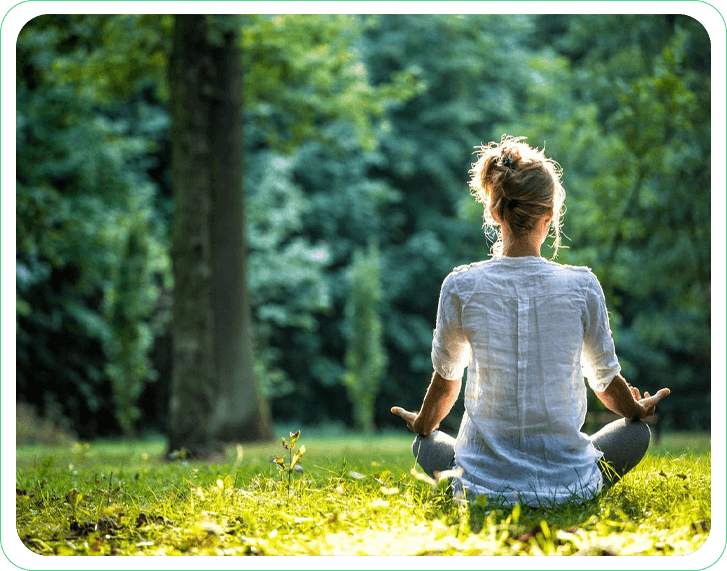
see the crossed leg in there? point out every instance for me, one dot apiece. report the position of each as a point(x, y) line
point(623, 443)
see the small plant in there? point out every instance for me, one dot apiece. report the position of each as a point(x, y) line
point(80, 451)
point(293, 459)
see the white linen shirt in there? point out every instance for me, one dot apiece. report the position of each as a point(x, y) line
point(526, 329)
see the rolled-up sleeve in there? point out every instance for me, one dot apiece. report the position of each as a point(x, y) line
point(450, 347)
point(600, 364)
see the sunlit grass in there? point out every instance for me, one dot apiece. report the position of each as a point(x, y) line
point(356, 496)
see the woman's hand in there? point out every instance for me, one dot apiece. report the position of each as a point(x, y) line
point(411, 420)
point(409, 417)
point(648, 402)
point(626, 400)
point(438, 401)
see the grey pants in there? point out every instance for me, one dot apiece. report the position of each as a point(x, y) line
point(622, 442)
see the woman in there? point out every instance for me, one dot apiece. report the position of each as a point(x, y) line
point(527, 329)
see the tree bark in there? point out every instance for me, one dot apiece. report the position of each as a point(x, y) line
point(214, 395)
point(240, 413)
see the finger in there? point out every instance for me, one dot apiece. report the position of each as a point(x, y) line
point(398, 411)
point(651, 401)
point(410, 417)
point(660, 394)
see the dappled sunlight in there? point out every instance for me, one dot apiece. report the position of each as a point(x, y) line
point(354, 496)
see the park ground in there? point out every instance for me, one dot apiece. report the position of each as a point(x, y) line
point(355, 495)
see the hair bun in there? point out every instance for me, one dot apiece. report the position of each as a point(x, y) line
point(508, 162)
point(510, 203)
point(519, 185)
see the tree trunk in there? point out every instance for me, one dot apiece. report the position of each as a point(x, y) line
point(214, 395)
point(240, 413)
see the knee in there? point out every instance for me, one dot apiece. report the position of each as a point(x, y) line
point(417, 445)
point(643, 431)
point(643, 434)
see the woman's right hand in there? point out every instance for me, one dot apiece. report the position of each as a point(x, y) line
point(648, 403)
point(409, 417)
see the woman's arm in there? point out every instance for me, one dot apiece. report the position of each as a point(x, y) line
point(625, 400)
point(439, 400)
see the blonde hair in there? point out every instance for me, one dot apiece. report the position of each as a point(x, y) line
point(521, 185)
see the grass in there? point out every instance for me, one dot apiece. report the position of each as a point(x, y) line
point(356, 496)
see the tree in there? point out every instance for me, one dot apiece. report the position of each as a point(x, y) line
point(90, 249)
point(214, 393)
point(365, 357)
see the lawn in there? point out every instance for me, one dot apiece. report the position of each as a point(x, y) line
point(355, 496)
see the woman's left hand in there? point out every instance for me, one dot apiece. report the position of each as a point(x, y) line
point(649, 402)
point(409, 417)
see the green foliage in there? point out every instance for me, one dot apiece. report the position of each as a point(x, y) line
point(301, 70)
point(285, 268)
point(107, 58)
point(91, 250)
point(365, 357)
point(358, 497)
point(358, 127)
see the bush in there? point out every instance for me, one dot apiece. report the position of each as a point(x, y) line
point(32, 429)
point(365, 356)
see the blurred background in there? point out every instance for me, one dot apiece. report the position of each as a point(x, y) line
point(357, 133)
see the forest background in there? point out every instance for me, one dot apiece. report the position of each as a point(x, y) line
point(358, 133)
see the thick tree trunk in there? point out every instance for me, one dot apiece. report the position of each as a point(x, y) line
point(214, 395)
point(193, 391)
point(240, 413)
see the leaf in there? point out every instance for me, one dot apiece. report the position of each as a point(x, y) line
point(74, 497)
point(515, 513)
point(297, 456)
point(294, 437)
point(114, 509)
point(45, 467)
point(82, 529)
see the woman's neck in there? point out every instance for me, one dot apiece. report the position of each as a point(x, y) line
point(519, 248)
point(516, 246)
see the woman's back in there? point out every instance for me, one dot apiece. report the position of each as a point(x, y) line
point(525, 321)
